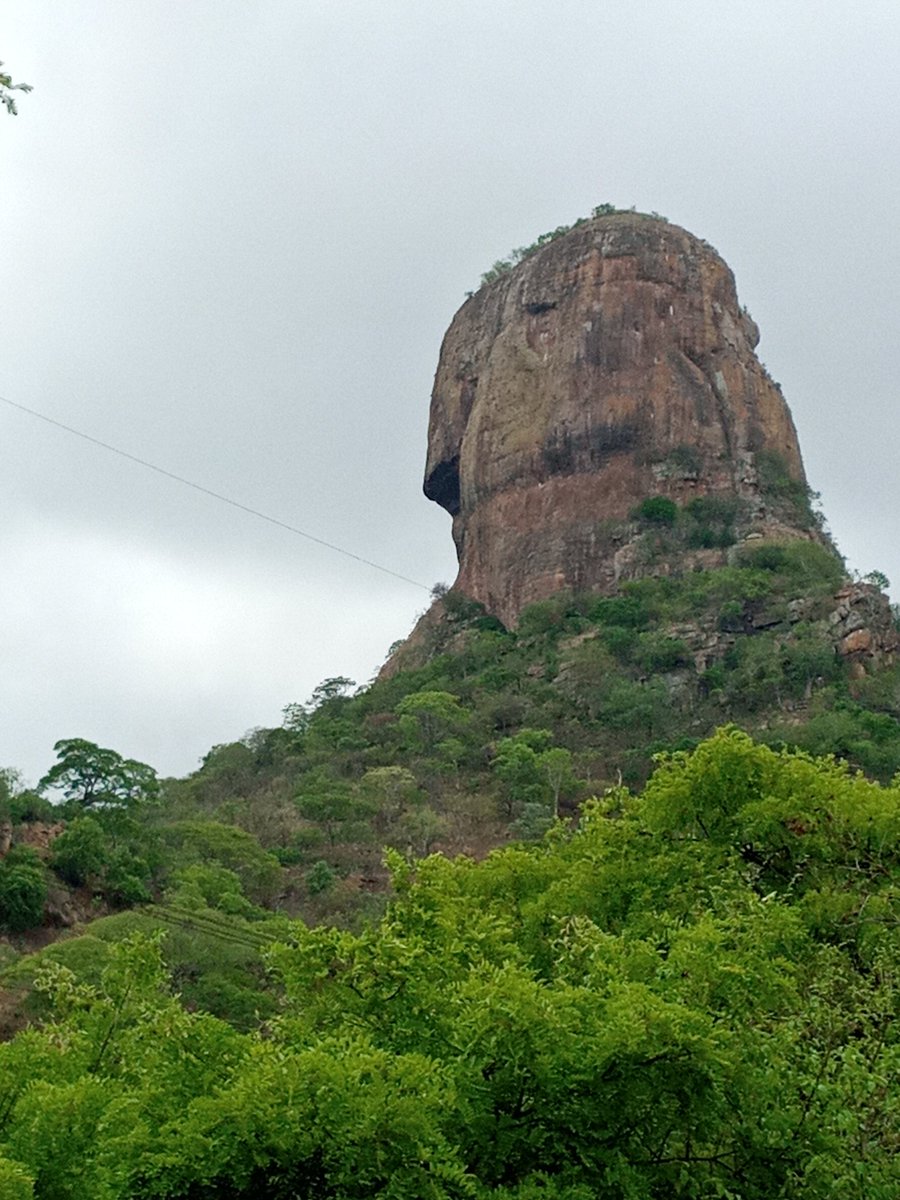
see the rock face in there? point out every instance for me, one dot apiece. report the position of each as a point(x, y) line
point(611, 366)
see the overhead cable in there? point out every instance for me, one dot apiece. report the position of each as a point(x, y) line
point(198, 487)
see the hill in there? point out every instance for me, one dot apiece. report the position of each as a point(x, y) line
point(531, 914)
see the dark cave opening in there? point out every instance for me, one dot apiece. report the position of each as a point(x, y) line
point(442, 485)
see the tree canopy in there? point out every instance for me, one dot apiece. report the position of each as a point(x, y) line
point(691, 995)
point(90, 775)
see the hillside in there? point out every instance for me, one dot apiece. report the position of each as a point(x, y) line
point(691, 995)
point(591, 892)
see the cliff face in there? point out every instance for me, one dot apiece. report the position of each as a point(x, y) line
point(612, 365)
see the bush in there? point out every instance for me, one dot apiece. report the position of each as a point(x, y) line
point(460, 607)
point(23, 889)
point(547, 616)
point(684, 460)
point(319, 878)
point(802, 565)
point(211, 843)
point(628, 611)
point(80, 852)
point(657, 510)
point(620, 641)
point(731, 616)
point(126, 878)
point(656, 652)
point(716, 510)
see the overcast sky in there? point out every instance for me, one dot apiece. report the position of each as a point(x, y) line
point(233, 235)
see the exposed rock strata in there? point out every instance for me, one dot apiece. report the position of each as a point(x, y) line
point(612, 365)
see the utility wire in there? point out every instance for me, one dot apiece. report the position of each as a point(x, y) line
point(198, 487)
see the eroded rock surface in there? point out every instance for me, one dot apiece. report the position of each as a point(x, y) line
point(613, 365)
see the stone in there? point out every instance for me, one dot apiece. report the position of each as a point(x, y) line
point(611, 365)
point(859, 641)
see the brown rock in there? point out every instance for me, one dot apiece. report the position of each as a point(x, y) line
point(862, 625)
point(611, 365)
point(39, 835)
point(859, 641)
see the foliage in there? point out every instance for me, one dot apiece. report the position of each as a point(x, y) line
point(89, 775)
point(320, 877)
point(503, 265)
point(212, 843)
point(6, 87)
point(791, 495)
point(20, 804)
point(80, 852)
point(23, 889)
point(806, 567)
point(657, 510)
point(877, 579)
point(690, 995)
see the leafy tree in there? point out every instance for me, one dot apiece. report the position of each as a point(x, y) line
point(212, 886)
point(393, 791)
point(429, 717)
point(516, 764)
point(691, 995)
point(215, 844)
point(332, 804)
point(419, 830)
point(89, 776)
point(533, 773)
point(877, 579)
point(319, 878)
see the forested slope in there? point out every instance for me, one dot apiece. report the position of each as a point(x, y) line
point(693, 994)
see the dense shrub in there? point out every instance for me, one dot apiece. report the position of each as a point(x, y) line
point(81, 851)
point(23, 889)
point(657, 510)
point(803, 566)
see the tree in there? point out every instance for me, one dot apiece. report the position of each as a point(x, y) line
point(91, 776)
point(7, 86)
point(23, 889)
point(335, 805)
point(80, 852)
point(426, 718)
point(393, 791)
point(534, 773)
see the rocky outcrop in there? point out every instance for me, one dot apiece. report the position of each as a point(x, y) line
point(612, 365)
point(862, 626)
point(39, 835)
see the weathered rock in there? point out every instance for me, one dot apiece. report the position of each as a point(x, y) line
point(612, 365)
point(39, 835)
point(863, 629)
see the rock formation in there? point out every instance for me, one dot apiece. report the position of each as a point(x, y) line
point(610, 366)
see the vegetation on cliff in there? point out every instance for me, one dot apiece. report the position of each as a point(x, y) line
point(491, 737)
point(520, 253)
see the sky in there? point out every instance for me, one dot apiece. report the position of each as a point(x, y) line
point(232, 236)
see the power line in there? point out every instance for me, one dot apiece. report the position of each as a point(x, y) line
point(198, 487)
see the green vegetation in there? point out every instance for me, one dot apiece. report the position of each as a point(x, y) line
point(657, 510)
point(690, 995)
point(686, 993)
point(795, 500)
point(503, 265)
point(23, 889)
point(8, 101)
point(88, 775)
